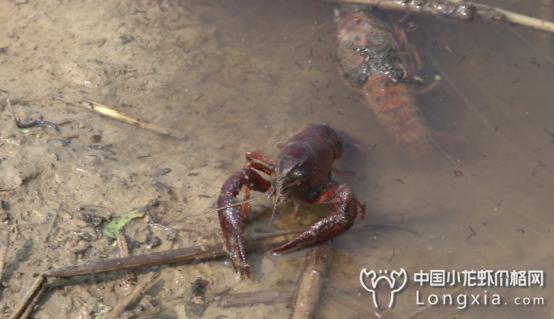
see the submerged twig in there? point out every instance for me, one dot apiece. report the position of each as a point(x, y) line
point(460, 10)
point(111, 113)
point(4, 242)
point(255, 297)
point(311, 282)
point(189, 254)
point(124, 252)
point(25, 307)
point(142, 287)
point(35, 123)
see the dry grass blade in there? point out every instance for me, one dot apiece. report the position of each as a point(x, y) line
point(111, 113)
point(116, 115)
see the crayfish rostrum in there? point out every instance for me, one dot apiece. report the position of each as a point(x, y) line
point(302, 171)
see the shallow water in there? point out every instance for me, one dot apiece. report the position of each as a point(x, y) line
point(235, 76)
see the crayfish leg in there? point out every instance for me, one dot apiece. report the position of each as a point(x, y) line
point(245, 207)
point(260, 162)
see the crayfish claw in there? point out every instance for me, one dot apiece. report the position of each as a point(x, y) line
point(347, 208)
point(231, 218)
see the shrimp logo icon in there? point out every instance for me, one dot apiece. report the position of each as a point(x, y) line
point(396, 281)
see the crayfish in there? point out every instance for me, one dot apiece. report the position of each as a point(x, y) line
point(369, 52)
point(301, 172)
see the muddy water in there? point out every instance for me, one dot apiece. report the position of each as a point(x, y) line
point(228, 77)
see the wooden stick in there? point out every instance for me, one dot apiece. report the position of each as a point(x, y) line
point(135, 295)
point(461, 10)
point(242, 299)
point(546, 14)
point(124, 252)
point(515, 18)
point(30, 298)
point(31, 305)
point(4, 242)
point(311, 283)
point(181, 255)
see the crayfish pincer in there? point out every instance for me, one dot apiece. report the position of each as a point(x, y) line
point(301, 172)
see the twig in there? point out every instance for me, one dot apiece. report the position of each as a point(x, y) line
point(256, 297)
point(124, 252)
point(311, 282)
point(31, 306)
point(3, 252)
point(123, 246)
point(456, 9)
point(546, 14)
point(137, 293)
point(168, 315)
point(51, 228)
point(119, 116)
point(181, 255)
point(30, 298)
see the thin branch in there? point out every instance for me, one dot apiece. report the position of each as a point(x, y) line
point(134, 297)
point(460, 10)
point(242, 299)
point(4, 242)
point(181, 255)
point(24, 309)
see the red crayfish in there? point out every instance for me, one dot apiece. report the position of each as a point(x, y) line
point(370, 55)
point(302, 171)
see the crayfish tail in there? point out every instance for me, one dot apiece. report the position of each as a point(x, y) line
point(394, 106)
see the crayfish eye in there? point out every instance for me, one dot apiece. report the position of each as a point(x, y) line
point(297, 174)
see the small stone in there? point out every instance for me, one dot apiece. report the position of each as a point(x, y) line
point(199, 286)
point(126, 38)
point(153, 241)
point(96, 138)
